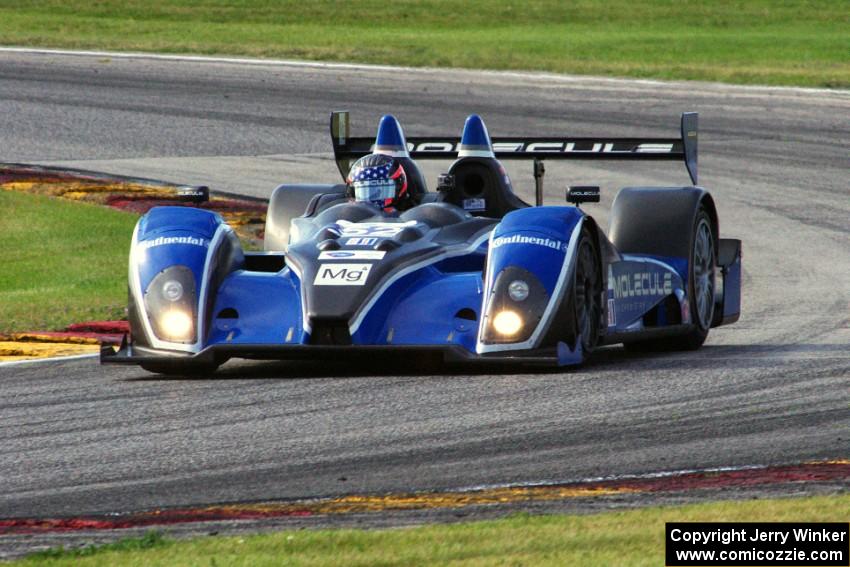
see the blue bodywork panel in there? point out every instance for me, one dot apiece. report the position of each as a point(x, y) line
point(535, 239)
point(637, 284)
point(268, 307)
point(174, 235)
point(475, 139)
point(390, 137)
point(537, 245)
point(426, 312)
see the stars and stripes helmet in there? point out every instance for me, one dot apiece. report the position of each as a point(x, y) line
point(379, 179)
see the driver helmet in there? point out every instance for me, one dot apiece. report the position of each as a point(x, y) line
point(379, 179)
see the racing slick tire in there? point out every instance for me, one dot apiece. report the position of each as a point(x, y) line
point(587, 294)
point(701, 288)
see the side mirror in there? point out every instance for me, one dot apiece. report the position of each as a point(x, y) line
point(196, 194)
point(578, 194)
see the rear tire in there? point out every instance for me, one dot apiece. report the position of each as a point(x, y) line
point(701, 286)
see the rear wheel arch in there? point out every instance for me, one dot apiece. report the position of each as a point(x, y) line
point(643, 218)
point(701, 283)
point(707, 202)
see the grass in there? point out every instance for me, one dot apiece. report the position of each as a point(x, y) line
point(632, 537)
point(63, 262)
point(787, 42)
point(150, 540)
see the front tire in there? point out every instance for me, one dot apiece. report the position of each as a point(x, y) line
point(587, 295)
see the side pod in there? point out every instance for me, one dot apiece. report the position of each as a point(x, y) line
point(291, 201)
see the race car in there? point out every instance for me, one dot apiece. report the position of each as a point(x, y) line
point(470, 274)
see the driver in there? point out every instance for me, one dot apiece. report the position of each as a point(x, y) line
point(380, 179)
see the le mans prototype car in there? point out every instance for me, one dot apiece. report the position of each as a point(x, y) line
point(470, 274)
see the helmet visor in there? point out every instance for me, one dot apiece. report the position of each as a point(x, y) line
point(374, 190)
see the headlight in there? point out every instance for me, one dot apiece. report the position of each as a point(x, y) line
point(515, 306)
point(171, 305)
point(172, 290)
point(507, 323)
point(177, 325)
point(518, 290)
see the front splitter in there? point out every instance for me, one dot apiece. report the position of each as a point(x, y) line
point(217, 354)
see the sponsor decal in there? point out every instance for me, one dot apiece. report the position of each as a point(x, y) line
point(164, 240)
point(434, 147)
point(635, 287)
point(474, 204)
point(352, 255)
point(361, 241)
point(585, 193)
point(192, 193)
point(374, 229)
point(342, 274)
point(654, 148)
point(523, 239)
point(641, 284)
point(612, 314)
point(553, 146)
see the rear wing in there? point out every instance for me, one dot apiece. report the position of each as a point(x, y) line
point(347, 149)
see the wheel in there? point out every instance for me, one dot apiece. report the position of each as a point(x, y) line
point(587, 294)
point(180, 368)
point(701, 286)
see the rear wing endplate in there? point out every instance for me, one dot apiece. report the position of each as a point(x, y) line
point(347, 149)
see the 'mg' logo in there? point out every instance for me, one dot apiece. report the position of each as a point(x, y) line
point(342, 274)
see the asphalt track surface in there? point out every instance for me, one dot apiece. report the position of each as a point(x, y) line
point(76, 438)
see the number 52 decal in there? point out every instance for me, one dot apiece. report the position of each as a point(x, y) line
point(375, 229)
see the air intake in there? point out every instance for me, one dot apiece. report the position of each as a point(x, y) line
point(330, 333)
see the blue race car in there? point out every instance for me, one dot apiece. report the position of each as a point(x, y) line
point(469, 274)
